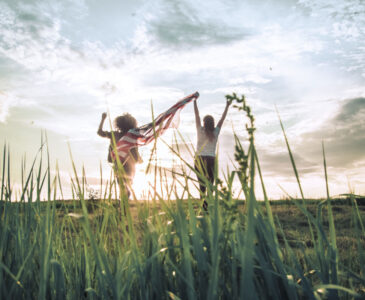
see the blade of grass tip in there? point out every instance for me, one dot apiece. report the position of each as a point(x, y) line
point(301, 206)
point(31, 191)
point(155, 141)
point(101, 260)
point(161, 182)
point(247, 264)
point(107, 187)
point(30, 174)
point(360, 233)
point(22, 173)
point(39, 175)
point(334, 250)
point(183, 233)
point(83, 180)
point(3, 173)
point(75, 172)
point(267, 204)
point(268, 207)
point(240, 149)
point(215, 251)
point(172, 296)
point(42, 183)
point(48, 170)
point(358, 214)
point(113, 186)
point(291, 156)
point(45, 252)
point(59, 180)
point(54, 188)
point(323, 287)
point(23, 176)
point(155, 177)
point(101, 181)
point(73, 191)
point(330, 214)
point(8, 184)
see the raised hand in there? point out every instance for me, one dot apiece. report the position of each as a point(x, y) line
point(103, 115)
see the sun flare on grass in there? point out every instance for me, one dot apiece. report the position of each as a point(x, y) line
point(142, 183)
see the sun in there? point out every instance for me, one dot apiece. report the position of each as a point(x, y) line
point(142, 183)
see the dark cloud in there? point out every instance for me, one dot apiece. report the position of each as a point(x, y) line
point(351, 111)
point(278, 163)
point(193, 33)
point(343, 136)
point(180, 25)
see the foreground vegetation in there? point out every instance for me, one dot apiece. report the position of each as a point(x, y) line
point(164, 249)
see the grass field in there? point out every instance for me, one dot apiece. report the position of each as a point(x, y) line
point(172, 249)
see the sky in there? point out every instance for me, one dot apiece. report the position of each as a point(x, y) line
point(63, 63)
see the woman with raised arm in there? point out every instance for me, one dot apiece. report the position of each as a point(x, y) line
point(122, 125)
point(206, 147)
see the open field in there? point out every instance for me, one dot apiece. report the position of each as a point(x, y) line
point(89, 249)
point(293, 222)
point(287, 215)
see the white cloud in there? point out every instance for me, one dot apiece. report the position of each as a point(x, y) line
point(4, 107)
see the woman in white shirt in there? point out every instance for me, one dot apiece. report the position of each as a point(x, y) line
point(206, 146)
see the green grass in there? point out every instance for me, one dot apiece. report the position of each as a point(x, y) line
point(164, 249)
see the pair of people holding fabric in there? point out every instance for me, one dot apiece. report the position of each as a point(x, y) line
point(207, 137)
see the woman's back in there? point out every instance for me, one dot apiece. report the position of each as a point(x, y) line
point(206, 145)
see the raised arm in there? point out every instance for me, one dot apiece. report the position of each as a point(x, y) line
point(220, 123)
point(197, 117)
point(101, 132)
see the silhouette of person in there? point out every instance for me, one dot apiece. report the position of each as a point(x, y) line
point(122, 124)
point(206, 147)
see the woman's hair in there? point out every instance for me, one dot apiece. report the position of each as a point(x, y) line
point(125, 122)
point(209, 126)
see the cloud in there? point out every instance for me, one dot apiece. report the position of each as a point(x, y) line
point(9, 100)
point(278, 163)
point(4, 107)
point(352, 111)
point(183, 24)
point(342, 24)
point(343, 135)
